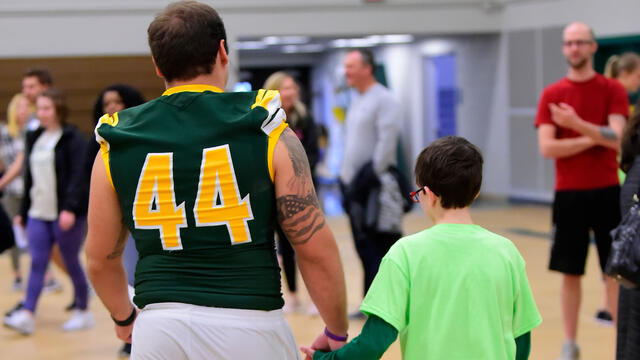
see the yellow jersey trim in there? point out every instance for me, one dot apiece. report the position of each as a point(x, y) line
point(104, 145)
point(274, 136)
point(191, 88)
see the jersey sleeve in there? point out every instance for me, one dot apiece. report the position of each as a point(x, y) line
point(101, 133)
point(543, 115)
point(388, 295)
point(619, 101)
point(274, 123)
point(525, 312)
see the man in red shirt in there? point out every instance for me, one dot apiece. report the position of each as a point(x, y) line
point(580, 120)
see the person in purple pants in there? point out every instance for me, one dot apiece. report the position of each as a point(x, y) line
point(54, 208)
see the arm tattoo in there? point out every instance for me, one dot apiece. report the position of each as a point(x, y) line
point(608, 133)
point(120, 244)
point(298, 212)
point(302, 175)
point(299, 217)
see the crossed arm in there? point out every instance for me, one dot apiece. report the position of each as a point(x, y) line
point(591, 135)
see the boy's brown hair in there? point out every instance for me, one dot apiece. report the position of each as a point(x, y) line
point(451, 167)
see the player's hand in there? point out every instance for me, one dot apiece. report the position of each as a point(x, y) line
point(124, 332)
point(323, 343)
point(564, 115)
point(18, 220)
point(66, 220)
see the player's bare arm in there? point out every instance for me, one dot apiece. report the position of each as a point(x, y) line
point(301, 219)
point(609, 136)
point(105, 242)
point(552, 147)
point(299, 212)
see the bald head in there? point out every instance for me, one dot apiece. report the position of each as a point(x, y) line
point(579, 45)
point(580, 29)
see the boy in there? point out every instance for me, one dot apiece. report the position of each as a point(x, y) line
point(455, 290)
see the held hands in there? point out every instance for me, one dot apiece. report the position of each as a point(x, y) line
point(66, 220)
point(564, 115)
point(322, 343)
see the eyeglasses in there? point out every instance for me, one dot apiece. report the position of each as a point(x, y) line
point(415, 195)
point(578, 43)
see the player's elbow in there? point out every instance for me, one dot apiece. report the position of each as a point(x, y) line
point(546, 150)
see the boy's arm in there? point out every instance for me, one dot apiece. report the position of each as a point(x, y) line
point(376, 337)
point(523, 346)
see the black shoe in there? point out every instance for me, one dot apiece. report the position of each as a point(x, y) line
point(17, 307)
point(604, 317)
point(357, 315)
point(125, 352)
point(71, 306)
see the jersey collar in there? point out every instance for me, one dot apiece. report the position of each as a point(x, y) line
point(191, 88)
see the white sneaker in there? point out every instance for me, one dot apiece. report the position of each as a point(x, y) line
point(21, 321)
point(80, 319)
point(570, 351)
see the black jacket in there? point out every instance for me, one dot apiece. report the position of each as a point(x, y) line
point(72, 184)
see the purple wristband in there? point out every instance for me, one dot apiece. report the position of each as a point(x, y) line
point(334, 336)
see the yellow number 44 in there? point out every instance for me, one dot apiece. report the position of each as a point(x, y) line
point(218, 201)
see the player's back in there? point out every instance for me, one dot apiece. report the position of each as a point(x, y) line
point(192, 170)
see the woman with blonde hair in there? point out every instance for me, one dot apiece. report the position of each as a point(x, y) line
point(303, 125)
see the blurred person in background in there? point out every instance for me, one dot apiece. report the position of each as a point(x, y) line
point(54, 208)
point(580, 120)
point(11, 183)
point(112, 99)
point(370, 187)
point(302, 124)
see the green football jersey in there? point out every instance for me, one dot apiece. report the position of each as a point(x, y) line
point(193, 173)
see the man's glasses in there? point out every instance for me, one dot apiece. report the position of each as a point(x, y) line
point(578, 43)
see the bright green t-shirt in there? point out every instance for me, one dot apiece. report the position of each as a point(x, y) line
point(454, 291)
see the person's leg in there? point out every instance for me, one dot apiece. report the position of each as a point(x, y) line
point(41, 238)
point(568, 256)
point(571, 298)
point(288, 260)
point(130, 259)
point(70, 242)
point(605, 209)
point(624, 311)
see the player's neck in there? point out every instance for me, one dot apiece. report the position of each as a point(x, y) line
point(204, 79)
point(452, 216)
point(366, 85)
point(584, 73)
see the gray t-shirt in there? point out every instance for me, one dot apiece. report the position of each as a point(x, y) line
point(371, 132)
point(44, 198)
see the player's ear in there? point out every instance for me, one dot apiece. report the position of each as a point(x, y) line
point(222, 53)
point(158, 72)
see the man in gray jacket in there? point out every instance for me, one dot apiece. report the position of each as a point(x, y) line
point(371, 135)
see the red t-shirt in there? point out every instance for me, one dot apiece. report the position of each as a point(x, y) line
point(593, 100)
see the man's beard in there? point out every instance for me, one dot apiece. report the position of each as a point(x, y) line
point(578, 65)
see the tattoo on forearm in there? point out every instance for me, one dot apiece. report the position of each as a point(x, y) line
point(120, 244)
point(299, 217)
point(608, 133)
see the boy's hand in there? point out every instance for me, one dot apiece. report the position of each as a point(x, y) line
point(308, 352)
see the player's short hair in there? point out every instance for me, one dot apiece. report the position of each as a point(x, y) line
point(43, 75)
point(59, 102)
point(451, 167)
point(185, 38)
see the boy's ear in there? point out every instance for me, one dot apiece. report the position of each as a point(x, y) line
point(431, 197)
